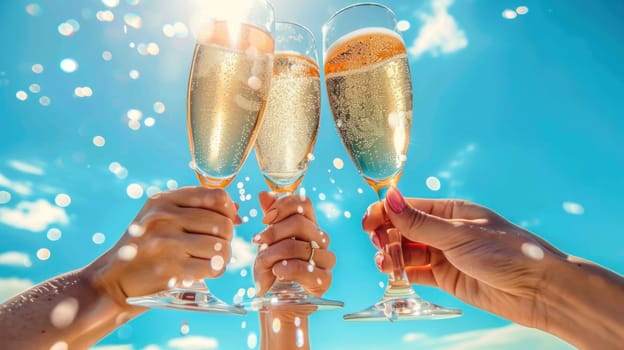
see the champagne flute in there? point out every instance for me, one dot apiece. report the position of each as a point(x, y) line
point(286, 139)
point(227, 91)
point(370, 94)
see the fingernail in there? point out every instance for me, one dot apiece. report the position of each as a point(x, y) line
point(395, 200)
point(375, 240)
point(379, 258)
point(270, 216)
point(365, 215)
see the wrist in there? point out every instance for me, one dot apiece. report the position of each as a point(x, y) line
point(579, 302)
point(108, 291)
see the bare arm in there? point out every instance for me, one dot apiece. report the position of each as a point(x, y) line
point(67, 309)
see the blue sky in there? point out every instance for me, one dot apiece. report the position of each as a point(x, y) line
point(517, 105)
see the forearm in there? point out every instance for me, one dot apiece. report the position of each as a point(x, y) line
point(284, 331)
point(65, 309)
point(584, 304)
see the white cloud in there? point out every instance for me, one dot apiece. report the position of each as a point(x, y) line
point(508, 337)
point(26, 167)
point(24, 188)
point(15, 259)
point(412, 337)
point(33, 216)
point(193, 342)
point(243, 254)
point(11, 286)
point(113, 347)
point(439, 32)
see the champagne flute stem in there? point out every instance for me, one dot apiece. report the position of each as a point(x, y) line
point(390, 241)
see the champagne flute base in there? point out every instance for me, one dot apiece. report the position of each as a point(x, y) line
point(186, 299)
point(403, 309)
point(290, 295)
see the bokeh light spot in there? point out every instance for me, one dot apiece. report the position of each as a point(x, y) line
point(134, 74)
point(111, 3)
point(433, 183)
point(252, 340)
point(34, 88)
point(522, 10)
point(99, 141)
point(43, 254)
point(68, 65)
point(338, 163)
point(127, 252)
point(107, 56)
point(98, 238)
point(37, 68)
point(159, 107)
point(105, 16)
point(172, 184)
point(34, 9)
point(149, 122)
point(44, 101)
point(21, 95)
point(134, 191)
point(59, 345)
point(54, 234)
point(64, 313)
point(62, 200)
point(573, 208)
point(403, 25)
point(133, 20)
point(509, 14)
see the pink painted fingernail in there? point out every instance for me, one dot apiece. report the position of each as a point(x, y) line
point(395, 200)
point(270, 216)
point(379, 258)
point(375, 240)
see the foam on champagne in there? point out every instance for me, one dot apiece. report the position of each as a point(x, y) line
point(227, 91)
point(290, 123)
point(370, 95)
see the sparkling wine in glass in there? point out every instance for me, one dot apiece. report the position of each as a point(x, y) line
point(227, 92)
point(369, 88)
point(286, 139)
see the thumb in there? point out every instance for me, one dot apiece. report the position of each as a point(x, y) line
point(419, 226)
point(266, 200)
